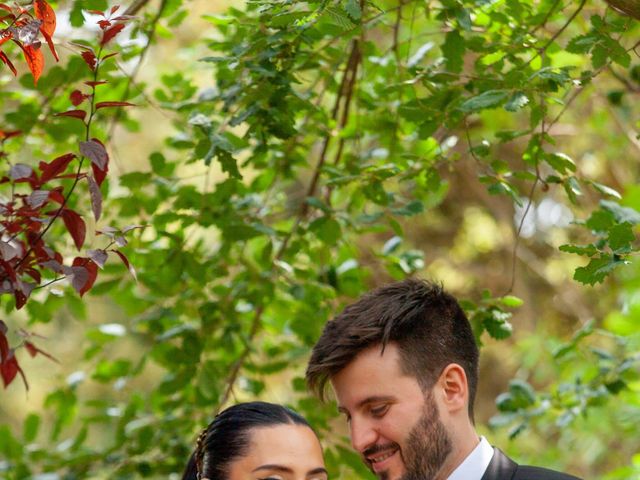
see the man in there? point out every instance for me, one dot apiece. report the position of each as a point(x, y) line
point(403, 363)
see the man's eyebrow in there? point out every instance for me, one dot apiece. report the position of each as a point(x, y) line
point(279, 468)
point(368, 400)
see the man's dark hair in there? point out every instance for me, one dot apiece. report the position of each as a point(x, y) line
point(425, 322)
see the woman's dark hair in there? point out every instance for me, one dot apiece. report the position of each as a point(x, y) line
point(227, 437)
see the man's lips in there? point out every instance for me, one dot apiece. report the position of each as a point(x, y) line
point(380, 461)
point(379, 457)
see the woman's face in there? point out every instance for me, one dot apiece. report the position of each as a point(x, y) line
point(281, 452)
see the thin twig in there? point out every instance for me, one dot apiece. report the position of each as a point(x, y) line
point(546, 18)
point(130, 78)
point(77, 176)
point(302, 212)
point(543, 49)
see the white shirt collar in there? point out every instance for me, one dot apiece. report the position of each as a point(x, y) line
point(476, 463)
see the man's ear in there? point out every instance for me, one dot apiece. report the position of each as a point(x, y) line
point(454, 388)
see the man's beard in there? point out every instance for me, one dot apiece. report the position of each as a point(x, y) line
point(426, 448)
point(428, 444)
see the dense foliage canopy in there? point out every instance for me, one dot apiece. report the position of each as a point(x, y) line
point(279, 158)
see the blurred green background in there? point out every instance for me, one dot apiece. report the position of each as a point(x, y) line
point(285, 157)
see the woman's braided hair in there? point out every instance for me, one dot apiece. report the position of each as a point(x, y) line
point(199, 453)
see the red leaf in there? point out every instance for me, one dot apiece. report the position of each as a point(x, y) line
point(94, 84)
point(77, 97)
point(45, 13)
point(8, 134)
point(51, 46)
point(79, 114)
point(4, 343)
point(8, 63)
point(104, 24)
point(33, 351)
point(5, 35)
point(9, 368)
point(75, 225)
point(8, 270)
point(35, 274)
point(31, 348)
point(96, 12)
point(111, 32)
point(99, 170)
point(113, 104)
point(114, 9)
point(56, 166)
point(21, 298)
point(35, 61)
point(84, 279)
point(56, 195)
point(90, 59)
point(99, 257)
point(95, 151)
point(125, 260)
point(109, 56)
point(38, 198)
point(96, 197)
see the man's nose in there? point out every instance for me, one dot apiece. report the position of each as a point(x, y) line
point(363, 435)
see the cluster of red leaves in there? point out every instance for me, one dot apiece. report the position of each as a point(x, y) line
point(9, 366)
point(38, 198)
point(22, 28)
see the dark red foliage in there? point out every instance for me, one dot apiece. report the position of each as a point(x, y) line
point(90, 59)
point(75, 225)
point(36, 199)
point(111, 32)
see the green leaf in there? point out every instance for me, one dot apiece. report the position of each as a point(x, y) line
point(587, 250)
point(488, 99)
point(516, 102)
point(241, 231)
point(581, 44)
point(596, 270)
point(326, 229)
point(604, 189)
point(412, 208)
point(497, 325)
point(352, 7)
point(572, 187)
point(600, 221)
point(31, 425)
point(391, 245)
point(338, 17)
point(560, 162)
point(621, 236)
point(511, 301)
point(453, 51)
point(621, 214)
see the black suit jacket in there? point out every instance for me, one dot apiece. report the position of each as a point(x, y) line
point(503, 468)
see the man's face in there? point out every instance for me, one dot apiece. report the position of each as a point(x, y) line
point(394, 425)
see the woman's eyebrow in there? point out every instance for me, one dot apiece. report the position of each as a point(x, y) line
point(316, 471)
point(279, 468)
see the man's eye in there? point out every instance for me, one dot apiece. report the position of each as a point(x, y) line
point(379, 411)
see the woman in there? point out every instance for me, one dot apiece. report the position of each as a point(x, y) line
point(257, 441)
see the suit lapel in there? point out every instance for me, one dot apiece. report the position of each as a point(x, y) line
point(500, 468)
